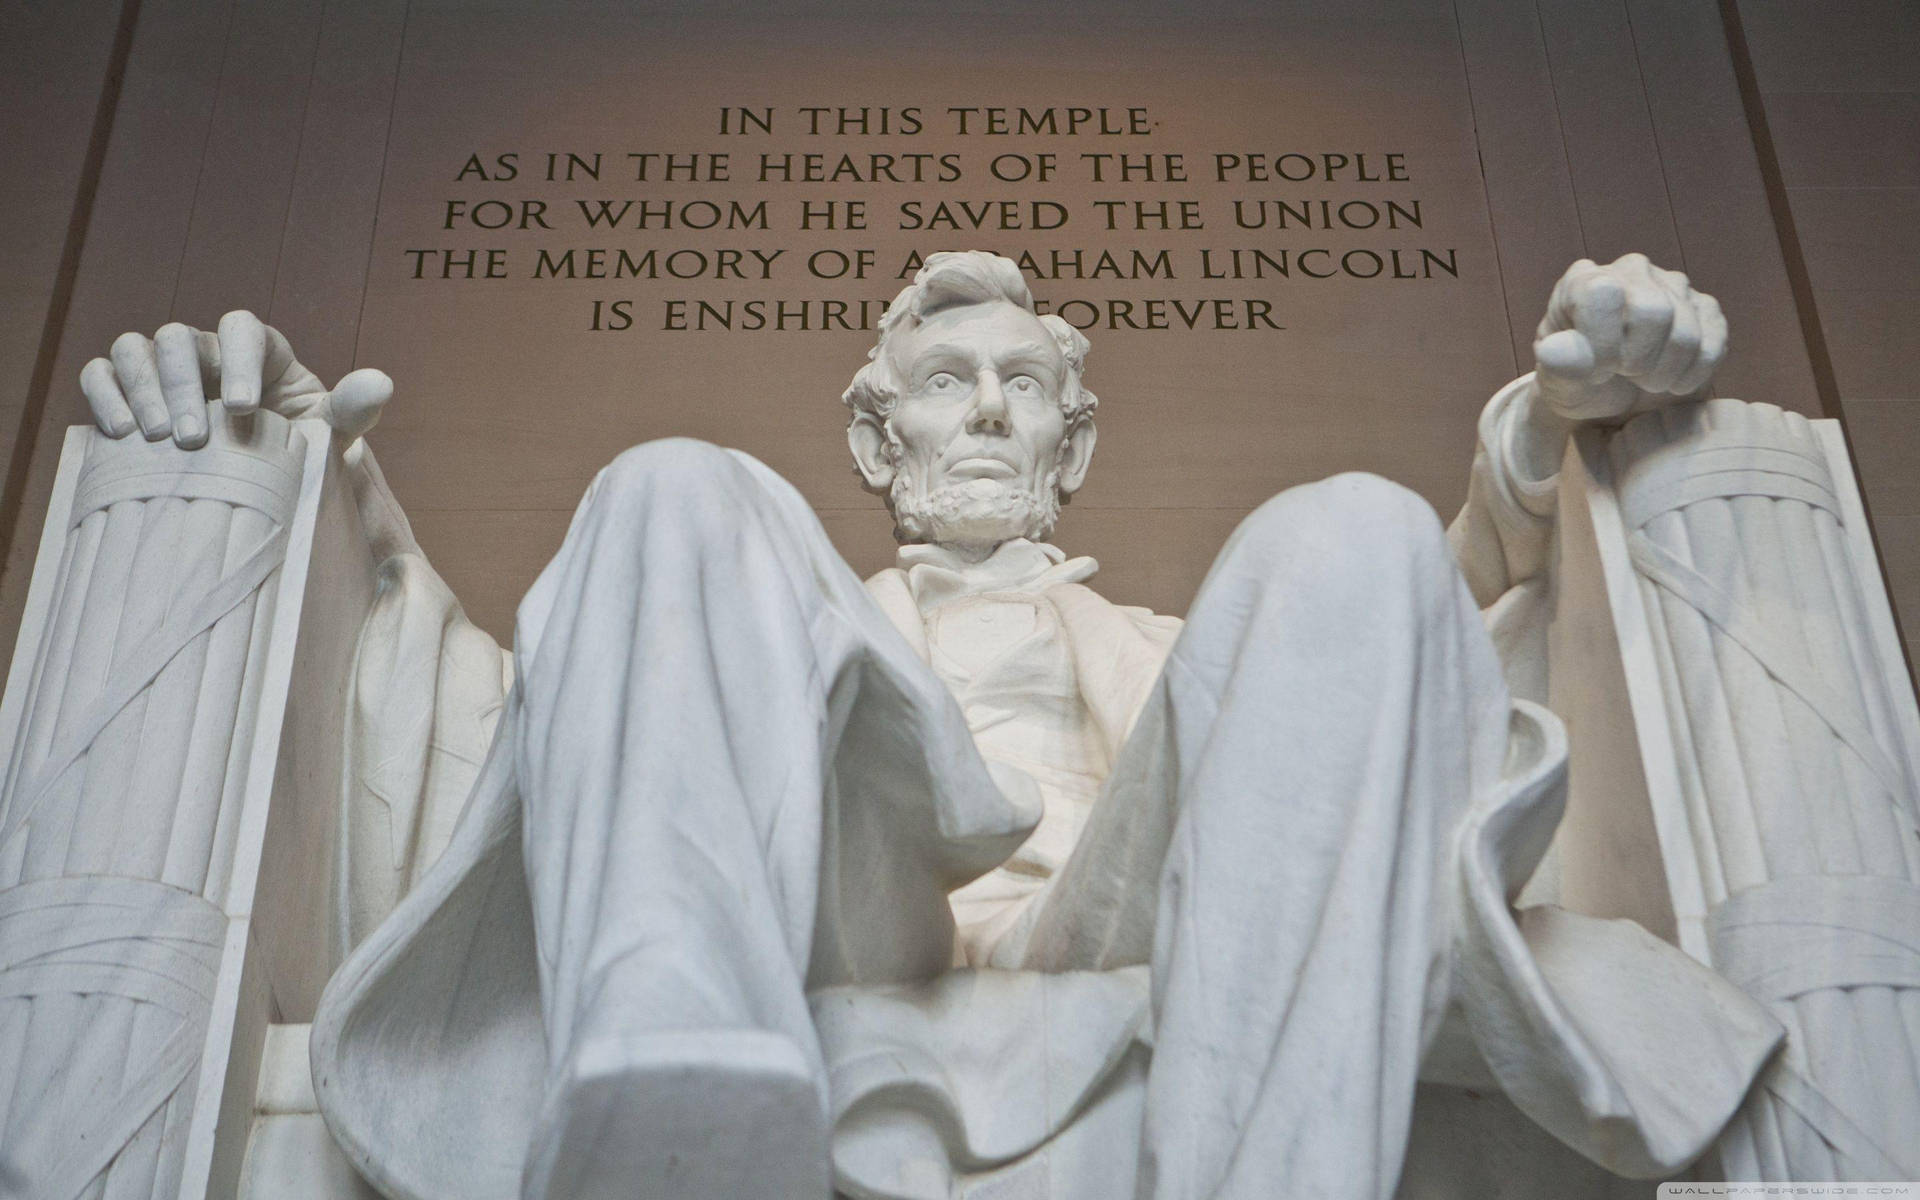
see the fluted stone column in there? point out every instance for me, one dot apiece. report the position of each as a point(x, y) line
point(1777, 749)
point(143, 728)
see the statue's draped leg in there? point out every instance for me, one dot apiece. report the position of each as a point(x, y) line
point(1326, 718)
point(1355, 803)
point(741, 786)
point(722, 778)
point(735, 778)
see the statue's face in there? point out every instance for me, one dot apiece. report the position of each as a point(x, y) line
point(980, 447)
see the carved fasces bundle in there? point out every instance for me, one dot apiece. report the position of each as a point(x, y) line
point(130, 746)
point(1792, 733)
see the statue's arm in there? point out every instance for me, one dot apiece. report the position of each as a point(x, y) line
point(427, 684)
point(160, 386)
point(1503, 532)
point(1616, 340)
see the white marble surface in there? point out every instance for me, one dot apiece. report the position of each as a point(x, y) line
point(970, 881)
point(1779, 811)
point(972, 419)
point(170, 743)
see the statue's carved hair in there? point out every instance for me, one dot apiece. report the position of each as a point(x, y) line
point(957, 280)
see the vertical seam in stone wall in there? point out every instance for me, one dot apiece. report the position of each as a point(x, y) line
point(299, 145)
point(1486, 195)
point(1800, 283)
point(380, 189)
point(200, 174)
point(1798, 279)
point(1653, 127)
point(1560, 123)
point(40, 383)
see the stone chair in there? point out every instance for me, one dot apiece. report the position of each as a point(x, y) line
point(185, 851)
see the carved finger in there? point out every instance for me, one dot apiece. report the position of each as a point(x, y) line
point(104, 397)
point(1677, 357)
point(1562, 362)
point(1643, 335)
point(1713, 349)
point(1565, 357)
point(356, 402)
point(178, 359)
point(1564, 375)
point(139, 376)
point(1560, 305)
point(206, 348)
point(1633, 265)
point(1599, 313)
point(243, 351)
point(1677, 283)
point(291, 389)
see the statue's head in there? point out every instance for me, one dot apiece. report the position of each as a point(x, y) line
point(969, 415)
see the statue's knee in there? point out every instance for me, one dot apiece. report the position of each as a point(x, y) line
point(1348, 550)
point(676, 462)
point(1353, 514)
point(680, 489)
point(1377, 508)
point(680, 475)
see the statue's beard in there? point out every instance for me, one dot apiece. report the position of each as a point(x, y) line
point(977, 513)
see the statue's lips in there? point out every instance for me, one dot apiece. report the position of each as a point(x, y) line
point(981, 468)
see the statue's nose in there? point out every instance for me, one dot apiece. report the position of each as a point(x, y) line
point(989, 407)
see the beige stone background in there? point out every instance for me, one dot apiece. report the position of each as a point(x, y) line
point(172, 159)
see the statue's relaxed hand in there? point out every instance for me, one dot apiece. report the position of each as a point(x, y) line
point(1625, 337)
point(159, 385)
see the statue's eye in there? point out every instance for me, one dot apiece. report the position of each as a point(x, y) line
point(942, 382)
point(1025, 385)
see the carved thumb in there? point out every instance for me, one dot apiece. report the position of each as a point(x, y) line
point(356, 402)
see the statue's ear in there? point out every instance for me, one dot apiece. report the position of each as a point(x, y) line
point(867, 438)
point(1076, 455)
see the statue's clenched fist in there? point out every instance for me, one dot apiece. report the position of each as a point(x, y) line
point(1624, 337)
point(159, 385)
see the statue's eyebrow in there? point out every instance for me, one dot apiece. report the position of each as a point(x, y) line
point(936, 357)
point(941, 350)
point(1033, 353)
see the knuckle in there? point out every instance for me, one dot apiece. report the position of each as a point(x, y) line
point(1602, 292)
point(172, 331)
point(129, 343)
point(1650, 307)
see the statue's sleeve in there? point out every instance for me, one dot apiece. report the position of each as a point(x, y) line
point(1501, 535)
point(1503, 541)
point(426, 691)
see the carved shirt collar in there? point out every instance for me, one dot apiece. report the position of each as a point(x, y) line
point(936, 575)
